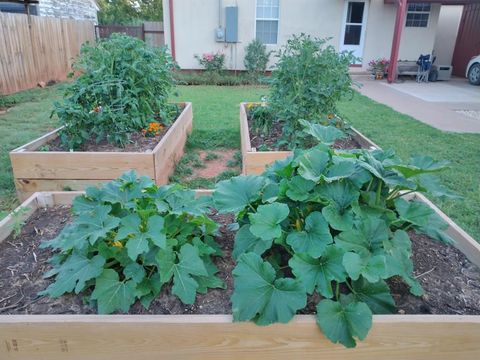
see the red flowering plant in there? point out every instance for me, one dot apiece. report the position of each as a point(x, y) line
point(379, 65)
point(213, 62)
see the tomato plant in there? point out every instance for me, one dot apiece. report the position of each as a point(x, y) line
point(123, 85)
point(332, 223)
point(130, 238)
point(309, 79)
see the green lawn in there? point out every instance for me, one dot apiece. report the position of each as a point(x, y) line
point(216, 125)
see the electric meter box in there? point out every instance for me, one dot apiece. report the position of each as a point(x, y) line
point(231, 24)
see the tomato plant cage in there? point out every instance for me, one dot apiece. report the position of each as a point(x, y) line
point(59, 170)
point(216, 337)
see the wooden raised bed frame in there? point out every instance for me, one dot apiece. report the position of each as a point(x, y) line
point(60, 170)
point(215, 337)
point(255, 162)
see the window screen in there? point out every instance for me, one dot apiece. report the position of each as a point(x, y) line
point(267, 21)
point(418, 14)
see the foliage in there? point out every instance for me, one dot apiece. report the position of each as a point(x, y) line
point(308, 81)
point(214, 78)
point(379, 65)
point(129, 239)
point(212, 62)
point(331, 223)
point(256, 58)
point(261, 118)
point(128, 12)
point(123, 86)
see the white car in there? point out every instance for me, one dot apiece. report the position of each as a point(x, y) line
point(473, 70)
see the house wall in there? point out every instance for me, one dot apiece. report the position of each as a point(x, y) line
point(446, 36)
point(69, 9)
point(196, 20)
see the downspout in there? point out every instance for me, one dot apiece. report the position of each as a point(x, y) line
point(172, 28)
point(397, 36)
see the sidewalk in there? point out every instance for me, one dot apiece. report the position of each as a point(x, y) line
point(449, 106)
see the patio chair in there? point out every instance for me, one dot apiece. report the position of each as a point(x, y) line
point(425, 64)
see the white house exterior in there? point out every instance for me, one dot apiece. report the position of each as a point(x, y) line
point(363, 26)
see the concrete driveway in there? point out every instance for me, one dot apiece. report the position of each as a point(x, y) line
point(447, 105)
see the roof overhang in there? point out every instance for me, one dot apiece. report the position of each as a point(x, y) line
point(443, 2)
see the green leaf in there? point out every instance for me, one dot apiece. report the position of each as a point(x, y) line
point(338, 220)
point(319, 273)
point(112, 294)
point(138, 240)
point(420, 165)
point(366, 239)
point(342, 168)
point(324, 134)
point(342, 324)
point(376, 295)
point(312, 164)
point(165, 259)
point(95, 225)
point(372, 268)
point(245, 241)
point(314, 239)
point(414, 212)
point(340, 193)
point(259, 296)
point(298, 188)
point(134, 271)
point(235, 194)
point(73, 274)
point(265, 223)
point(190, 263)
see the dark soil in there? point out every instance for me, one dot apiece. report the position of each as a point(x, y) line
point(269, 141)
point(138, 143)
point(450, 281)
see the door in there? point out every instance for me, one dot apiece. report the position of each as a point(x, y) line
point(353, 29)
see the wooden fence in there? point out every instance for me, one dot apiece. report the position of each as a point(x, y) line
point(150, 31)
point(38, 49)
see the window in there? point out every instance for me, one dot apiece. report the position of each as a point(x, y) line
point(418, 14)
point(353, 24)
point(267, 21)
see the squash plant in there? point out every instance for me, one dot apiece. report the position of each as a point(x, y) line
point(129, 239)
point(332, 223)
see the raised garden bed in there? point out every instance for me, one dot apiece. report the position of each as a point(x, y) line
point(37, 170)
point(216, 337)
point(255, 162)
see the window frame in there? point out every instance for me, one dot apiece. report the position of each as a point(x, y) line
point(421, 12)
point(266, 19)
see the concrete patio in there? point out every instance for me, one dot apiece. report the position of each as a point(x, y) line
point(446, 105)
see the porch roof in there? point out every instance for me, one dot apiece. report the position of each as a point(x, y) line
point(443, 2)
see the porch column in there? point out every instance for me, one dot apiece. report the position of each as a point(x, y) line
point(397, 35)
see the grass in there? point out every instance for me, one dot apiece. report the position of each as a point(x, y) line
point(216, 125)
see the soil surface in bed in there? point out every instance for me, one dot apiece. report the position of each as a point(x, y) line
point(450, 281)
point(269, 141)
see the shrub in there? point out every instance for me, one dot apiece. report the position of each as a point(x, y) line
point(212, 62)
point(309, 79)
point(123, 85)
point(213, 78)
point(379, 65)
point(262, 118)
point(328, 223)
point(129, 239)
point(256, 58)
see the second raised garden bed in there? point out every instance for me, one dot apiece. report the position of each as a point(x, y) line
point(35, 170)
point(255, 162)
point(98, 337)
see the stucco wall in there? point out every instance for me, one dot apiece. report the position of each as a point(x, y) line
point(447, 32)
point(196, 20)
point(69, 9)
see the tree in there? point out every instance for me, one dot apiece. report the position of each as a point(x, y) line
point(129, 12)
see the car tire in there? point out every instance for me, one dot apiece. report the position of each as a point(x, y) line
point(474, 74)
